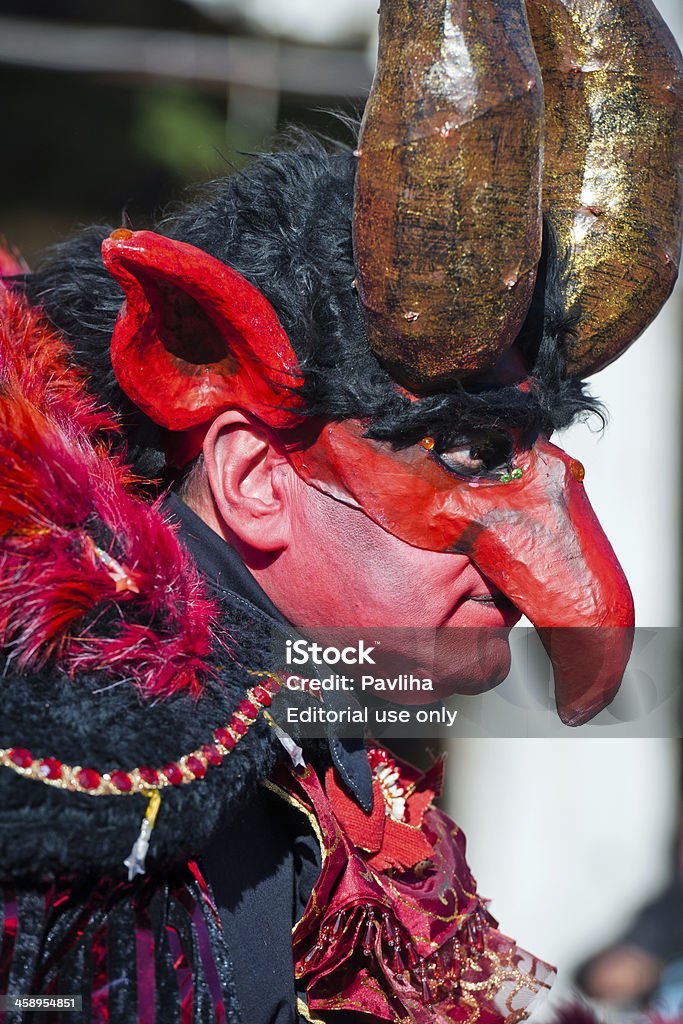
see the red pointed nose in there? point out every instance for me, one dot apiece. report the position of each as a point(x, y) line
point(546, 550)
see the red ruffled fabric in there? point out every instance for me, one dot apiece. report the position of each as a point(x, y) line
point(394, 928)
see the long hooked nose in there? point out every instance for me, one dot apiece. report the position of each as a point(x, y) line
point(546, 550)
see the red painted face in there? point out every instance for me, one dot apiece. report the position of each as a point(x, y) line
point(535, 536)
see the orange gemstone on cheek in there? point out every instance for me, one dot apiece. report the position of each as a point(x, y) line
point(577, 470)
point(121, 233)
point(428, 443)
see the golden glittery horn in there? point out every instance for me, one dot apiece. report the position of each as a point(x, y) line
point(613, 178)
point(447, 213)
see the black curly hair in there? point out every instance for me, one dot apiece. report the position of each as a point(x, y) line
point(284, 222)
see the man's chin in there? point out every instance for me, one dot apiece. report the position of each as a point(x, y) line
point(490, 670)
point(467, 662)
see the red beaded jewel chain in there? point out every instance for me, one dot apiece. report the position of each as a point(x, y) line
point(144, 780)
point(186, 769)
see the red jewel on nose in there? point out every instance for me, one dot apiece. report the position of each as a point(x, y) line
point(577, 470)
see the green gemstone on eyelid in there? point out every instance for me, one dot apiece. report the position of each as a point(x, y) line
point(516, 474)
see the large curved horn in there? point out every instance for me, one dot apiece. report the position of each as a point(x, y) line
point(447, 220)
point(613, 179)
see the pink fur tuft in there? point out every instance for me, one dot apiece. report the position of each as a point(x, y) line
point(10, 263)
point(34, 366)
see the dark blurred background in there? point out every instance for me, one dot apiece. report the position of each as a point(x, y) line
point(110, 110)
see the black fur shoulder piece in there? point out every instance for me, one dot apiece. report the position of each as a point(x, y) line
point(47, 833)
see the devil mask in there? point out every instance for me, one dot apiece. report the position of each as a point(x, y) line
point(451, 188)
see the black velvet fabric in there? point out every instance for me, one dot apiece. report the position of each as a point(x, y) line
point(259, 868)
point(45, 833)
point(262, 865)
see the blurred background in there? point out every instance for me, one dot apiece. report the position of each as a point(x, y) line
point(109, 112)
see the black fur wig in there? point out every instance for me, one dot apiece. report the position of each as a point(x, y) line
point(284, 223)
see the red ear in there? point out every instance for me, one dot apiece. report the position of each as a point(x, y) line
point(194, 337)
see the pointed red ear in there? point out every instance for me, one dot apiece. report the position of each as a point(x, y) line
point(194, 337)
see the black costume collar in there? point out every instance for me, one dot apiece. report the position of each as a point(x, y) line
point(227, 574)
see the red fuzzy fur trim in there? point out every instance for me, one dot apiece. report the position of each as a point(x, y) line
point(61, 493)
point(34, 364)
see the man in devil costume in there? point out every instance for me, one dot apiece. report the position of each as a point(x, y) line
point(347, 367)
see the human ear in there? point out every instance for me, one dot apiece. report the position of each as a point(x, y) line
point(247, 474)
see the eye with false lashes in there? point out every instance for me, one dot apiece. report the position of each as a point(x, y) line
point(488, 455)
